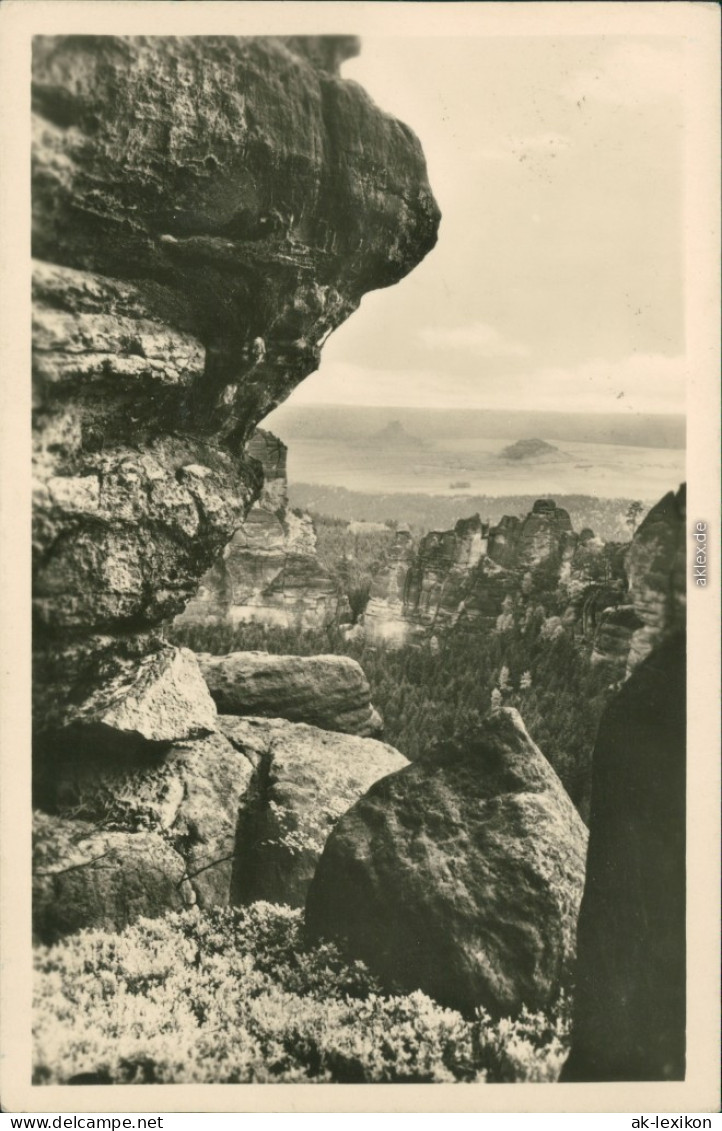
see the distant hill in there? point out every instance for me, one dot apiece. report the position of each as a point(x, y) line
point(393, 436)
point(533, 450)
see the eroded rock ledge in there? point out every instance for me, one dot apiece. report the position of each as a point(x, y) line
point(205, 212)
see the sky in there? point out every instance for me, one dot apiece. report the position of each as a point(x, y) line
point(557, 280)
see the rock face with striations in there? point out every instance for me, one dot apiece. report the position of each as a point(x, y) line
point(330, 692)
point(269, 571)
point(205, 212)
point(460, 877)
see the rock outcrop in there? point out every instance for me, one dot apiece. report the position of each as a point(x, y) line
point(240, 815)
point(269, 572)
point(87, 876)
point(205, 212)
point(306, 779)
point(629, 1018)
point(330, 692)
point(657, 581)
point(460, 877)
point(384, 618)
point(188, 799)
point(629, 1011)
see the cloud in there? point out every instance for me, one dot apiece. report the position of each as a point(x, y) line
point(630, 74)
point(479, 338)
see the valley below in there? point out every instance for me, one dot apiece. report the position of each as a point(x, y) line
point(439, 468)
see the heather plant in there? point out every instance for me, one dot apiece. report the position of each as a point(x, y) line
point(241, 996)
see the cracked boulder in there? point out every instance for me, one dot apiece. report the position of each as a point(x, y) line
point(460, 876)
point(306, 780)
point(330, 692)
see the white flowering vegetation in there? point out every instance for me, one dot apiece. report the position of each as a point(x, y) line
point(240, 996)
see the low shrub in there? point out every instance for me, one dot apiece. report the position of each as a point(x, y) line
point(239, 996)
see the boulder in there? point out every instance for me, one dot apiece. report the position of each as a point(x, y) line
point(150, 702)
point(190, 796)
point(629, 1004)
point(269, 572)
point(306, 779)
point(86, 876)
point(460, 875)
point(330, 692)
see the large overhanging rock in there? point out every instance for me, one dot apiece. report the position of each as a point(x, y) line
point(205, 212)
point(461, 877)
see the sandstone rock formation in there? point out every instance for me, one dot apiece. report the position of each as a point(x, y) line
point(656, 572)
point(151, 701)
point(188, 798)
point(384, 618)
point(269, 571)
point(629, 1013)
point(205, 212)
point(87, 876)
point(238, 816)
point(461, 877)
point(629, 1021)
point(306, 779)
point(466, 574)
point(330, 692)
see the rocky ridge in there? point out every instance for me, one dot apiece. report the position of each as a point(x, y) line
point(622, 599)
point(471, 573)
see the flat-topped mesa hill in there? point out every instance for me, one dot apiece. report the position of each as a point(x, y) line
point(206, 210)
point(532, 450)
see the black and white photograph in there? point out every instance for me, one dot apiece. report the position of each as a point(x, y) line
point(372, 364)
